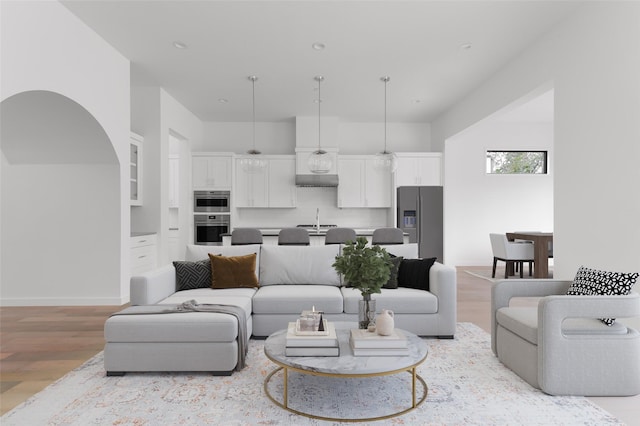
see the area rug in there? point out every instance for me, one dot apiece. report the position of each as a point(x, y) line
point(467, 386)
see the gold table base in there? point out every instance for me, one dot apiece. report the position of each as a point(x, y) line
point(414, 379)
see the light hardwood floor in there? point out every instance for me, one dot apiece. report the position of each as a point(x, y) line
point(38, 345)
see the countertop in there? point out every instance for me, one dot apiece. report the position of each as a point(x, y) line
point(273, 232)
point(140, 234)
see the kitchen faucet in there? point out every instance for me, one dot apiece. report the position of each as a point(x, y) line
point(318, 219)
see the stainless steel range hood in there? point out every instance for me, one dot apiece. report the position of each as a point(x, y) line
point(316, 180)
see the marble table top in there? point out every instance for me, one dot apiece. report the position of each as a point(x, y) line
point(346, 363)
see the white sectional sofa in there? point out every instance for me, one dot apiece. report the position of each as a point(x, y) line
point(291, 279)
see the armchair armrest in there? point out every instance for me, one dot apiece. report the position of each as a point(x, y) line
point(504, 290)
point(153, 286)
point(443, 284)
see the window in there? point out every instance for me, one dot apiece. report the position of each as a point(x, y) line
point(517, 162)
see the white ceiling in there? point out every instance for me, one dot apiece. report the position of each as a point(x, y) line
point(416, 43)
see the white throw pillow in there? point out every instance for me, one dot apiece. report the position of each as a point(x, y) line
point(408, 251)
point(298, 265)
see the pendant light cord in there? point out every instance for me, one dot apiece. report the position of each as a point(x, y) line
point(319, 78)
point(386, 80)
point(253, 86)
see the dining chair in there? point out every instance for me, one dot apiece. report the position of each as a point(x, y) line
point(339, 235)
point(387, 236)
point(511, 253)
point(244, 236)
point(293, 237)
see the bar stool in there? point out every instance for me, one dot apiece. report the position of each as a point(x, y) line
point(339, 235)
point(293, 237)
point(244, 236)
point(387, 236)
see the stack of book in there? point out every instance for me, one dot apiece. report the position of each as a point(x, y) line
point(312, 343)
point(366, 343)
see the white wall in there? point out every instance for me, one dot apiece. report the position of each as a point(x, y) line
point(478, 203)
point(155, 115)
point(280, 138)
point(592, 59)
point(45, 47)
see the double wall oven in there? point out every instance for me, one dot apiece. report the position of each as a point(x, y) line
point(211, 217)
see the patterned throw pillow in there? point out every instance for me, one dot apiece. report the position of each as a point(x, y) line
point(590, 282)
point(192, 275)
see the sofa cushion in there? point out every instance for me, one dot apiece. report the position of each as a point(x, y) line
point(399, 300)
point(414, 273)
point(298, 265)
point(393, 273)
point(198, 252)
point(293, 299)
point(233, 271)
point(589, 282)
point(190, 275)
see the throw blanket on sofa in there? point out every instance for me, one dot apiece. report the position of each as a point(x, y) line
point(193, 306)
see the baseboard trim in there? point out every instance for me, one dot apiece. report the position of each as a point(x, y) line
point(63, 301)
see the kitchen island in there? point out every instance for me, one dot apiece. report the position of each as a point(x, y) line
point(316, 237)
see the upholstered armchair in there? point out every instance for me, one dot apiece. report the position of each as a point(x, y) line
point(560, 346)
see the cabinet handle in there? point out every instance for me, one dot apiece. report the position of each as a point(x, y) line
point(143, 256)
point(142, 241)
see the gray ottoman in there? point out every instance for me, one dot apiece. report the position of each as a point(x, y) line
point(190, 341)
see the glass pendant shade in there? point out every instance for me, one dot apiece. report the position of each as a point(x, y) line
point(253, 162)
point(385, 161)
point(320, 161)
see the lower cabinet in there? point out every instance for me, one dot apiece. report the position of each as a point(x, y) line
point(144, 253)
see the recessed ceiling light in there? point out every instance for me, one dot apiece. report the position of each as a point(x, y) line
point(465, 46)
point(179, 45)
point(318, 46)
point(223, 100)
point(417, 101)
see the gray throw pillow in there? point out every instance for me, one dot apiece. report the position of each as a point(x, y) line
point(192, 275)
point(393, 276)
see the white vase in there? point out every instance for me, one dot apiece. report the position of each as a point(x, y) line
point(385, 322)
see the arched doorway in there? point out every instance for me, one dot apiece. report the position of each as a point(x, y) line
point(60, 203)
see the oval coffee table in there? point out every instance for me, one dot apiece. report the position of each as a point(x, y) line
point(346, 366)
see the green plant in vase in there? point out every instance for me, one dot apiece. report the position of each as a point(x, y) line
point(364, 268)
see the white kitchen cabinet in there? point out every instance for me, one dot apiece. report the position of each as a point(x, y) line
point(282, 182)
point(135, 159)
point(273, 188)
point(362, 184)
point(250, 189)
point(211, 170)
point(419, 169)
point(144, 253)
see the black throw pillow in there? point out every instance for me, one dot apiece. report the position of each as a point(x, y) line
point(192, 275)
point(414, 273)
point(393, 276)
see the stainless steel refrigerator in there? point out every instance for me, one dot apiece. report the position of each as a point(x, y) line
point(420, 214)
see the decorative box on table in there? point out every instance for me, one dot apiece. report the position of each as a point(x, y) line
point(366, 343)
point(312, 343)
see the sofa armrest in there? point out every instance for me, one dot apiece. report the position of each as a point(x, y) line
point(153, 286)
point(504, 290)
point(552, 310)
point(443, 284)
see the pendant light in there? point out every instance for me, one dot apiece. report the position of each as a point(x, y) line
point(319, 160)
point(253, 162)
point(385, 160)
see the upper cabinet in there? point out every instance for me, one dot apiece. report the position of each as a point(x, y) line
point(135, 159)
point(419, 169)
point(274, 187)
point(211, 170)
point(362, 184)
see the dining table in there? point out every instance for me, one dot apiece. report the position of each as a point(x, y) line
point(541, 244)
